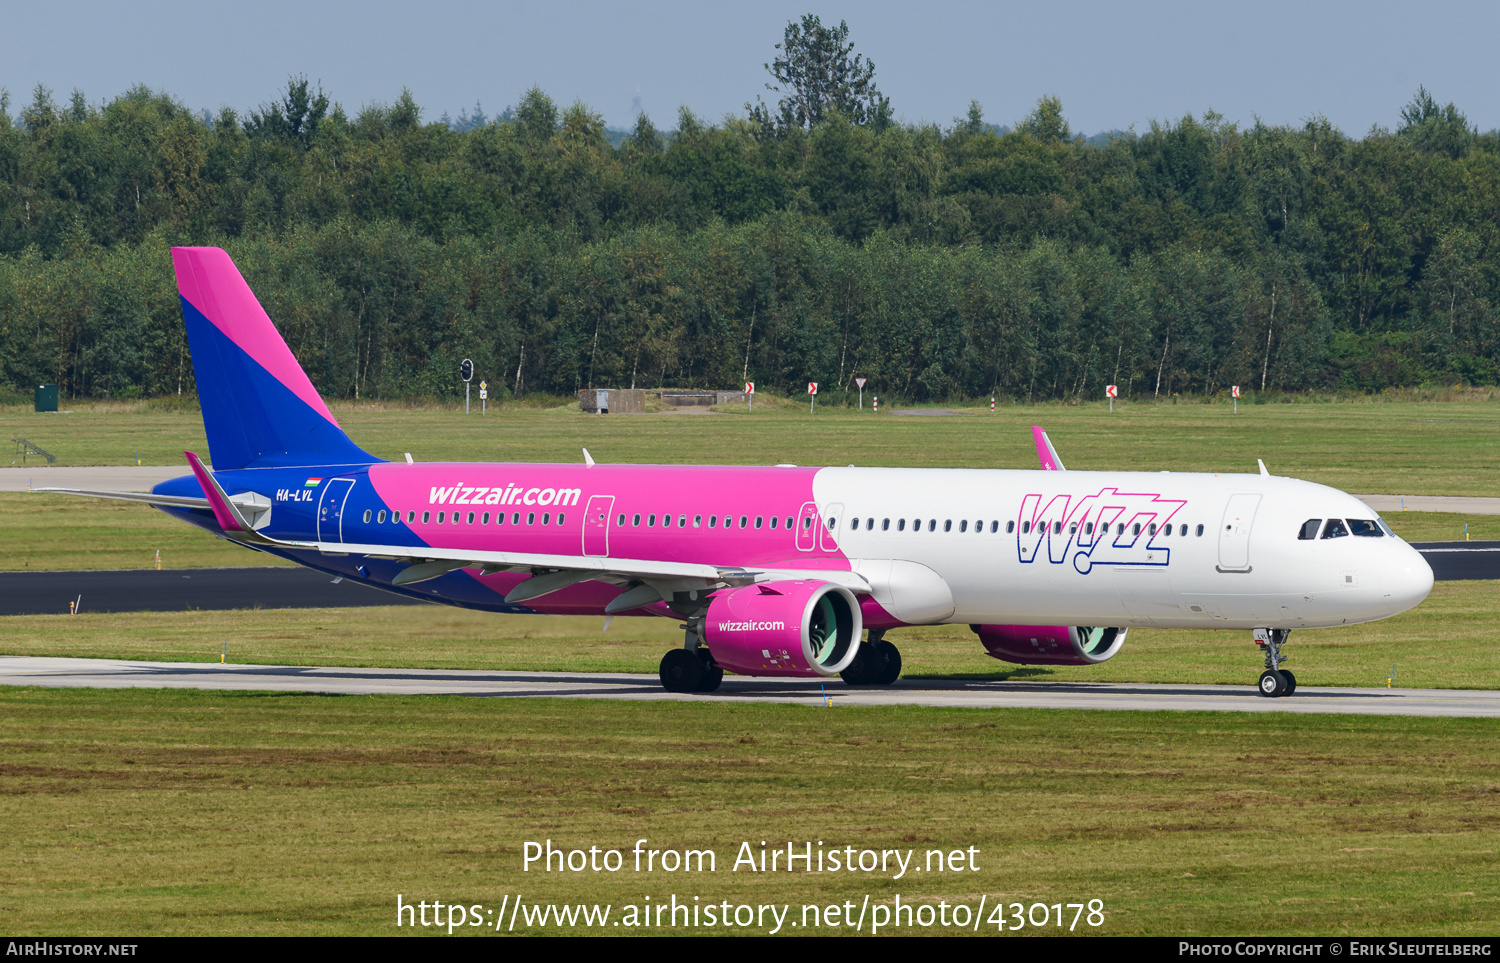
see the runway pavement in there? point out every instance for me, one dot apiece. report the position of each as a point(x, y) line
point(116, 674)
point(109, 478)
point(176, 590)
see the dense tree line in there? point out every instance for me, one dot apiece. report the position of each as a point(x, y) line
point(938, 262)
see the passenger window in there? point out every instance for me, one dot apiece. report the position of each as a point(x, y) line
point(381, 517)
point(1335, 528)
point(1365, 528)
point(995, 527)
point(1057, 528)
point(713, 521)
point(885, 525)
point(531, 518)
point(651, 520)
point(1088, 528)
point(635, 520)
point(900, 524)
point(963, 525)
point(546, 518)
point(560, 517)
point(1151, 529)
point(774, 520)
point(621, 519)
point(758, 521)
point(1025, 528)
point(1309, 530)
point(1183, 531)
point(412, 516)
point(471, 519)
point(515, 518)
point(367, 516)
point(831, 523)
point(789, 522)
point(426, 517)
point(854, 524)
point(499, 518)
point(807, 523)
point(697, 521)
point(1200, 531)
point(441, 516)
point(484, 519)
point(743, 520)
point(948, 525)
point(1073, 528)
point(1010, 527)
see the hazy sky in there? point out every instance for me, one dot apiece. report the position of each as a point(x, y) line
point(1113, 64)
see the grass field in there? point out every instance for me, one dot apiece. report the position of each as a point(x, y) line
point(149, 812)
point(1395, 447)
point(1433, 645)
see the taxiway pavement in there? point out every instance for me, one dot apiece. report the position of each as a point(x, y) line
point(119, 674)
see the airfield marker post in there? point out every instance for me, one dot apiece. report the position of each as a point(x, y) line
point(1235, 391)
point(812, 396)
point(484, 394)
point(466, 371)
point(750, 395)
point(992, 404)
point(861, 383)
point(1110, 391)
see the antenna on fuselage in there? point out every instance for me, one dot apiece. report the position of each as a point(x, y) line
point(1263, 468)
point(408, 459)
point(587, 458)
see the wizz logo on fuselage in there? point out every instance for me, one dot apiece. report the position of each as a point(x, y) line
point(1110, 528)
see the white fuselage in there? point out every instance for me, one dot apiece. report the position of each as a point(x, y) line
point(1030, 547)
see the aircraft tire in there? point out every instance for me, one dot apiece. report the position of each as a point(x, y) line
point(1291, 682)
point(681, 671)
point(890, 666)
point(713, 676)
point(1272, 684)
point(861, 670)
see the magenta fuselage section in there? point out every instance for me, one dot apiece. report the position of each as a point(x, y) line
point(740, 517)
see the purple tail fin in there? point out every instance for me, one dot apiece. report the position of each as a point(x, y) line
point(259, 409)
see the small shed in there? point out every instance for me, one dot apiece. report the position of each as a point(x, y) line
point(618, 401)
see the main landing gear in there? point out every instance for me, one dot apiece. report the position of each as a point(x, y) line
point(691, 668)
point(877, 663)
point(1275, 682)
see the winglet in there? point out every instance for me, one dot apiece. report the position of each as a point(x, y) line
point(1045, 453)
point(224, 512)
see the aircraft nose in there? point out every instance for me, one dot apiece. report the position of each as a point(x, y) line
point(1409, 580)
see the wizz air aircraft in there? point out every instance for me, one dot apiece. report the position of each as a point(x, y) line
point(772, 571)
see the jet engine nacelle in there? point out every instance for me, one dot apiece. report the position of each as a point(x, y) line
point(1050, 644)
point(804, 628)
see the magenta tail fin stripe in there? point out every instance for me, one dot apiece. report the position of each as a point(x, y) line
point(208, 279)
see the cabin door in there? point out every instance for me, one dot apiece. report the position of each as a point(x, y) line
point(596, 525)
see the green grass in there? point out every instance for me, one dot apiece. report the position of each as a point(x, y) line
point(180, 812)
point(1431, 646)
point(61, 533)
point(1429, 448)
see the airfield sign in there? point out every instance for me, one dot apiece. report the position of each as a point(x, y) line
point(466, 371)
point(1111, 392)
point(861, 383)
point(812, 395)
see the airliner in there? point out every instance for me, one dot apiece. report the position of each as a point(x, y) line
point(780, 571)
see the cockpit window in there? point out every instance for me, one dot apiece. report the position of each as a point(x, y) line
point(1335, 528)
point(1309, 529)
point(1365, 528)
point(1384, 527)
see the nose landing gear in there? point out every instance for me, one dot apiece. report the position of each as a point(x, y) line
point(1275, 682)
